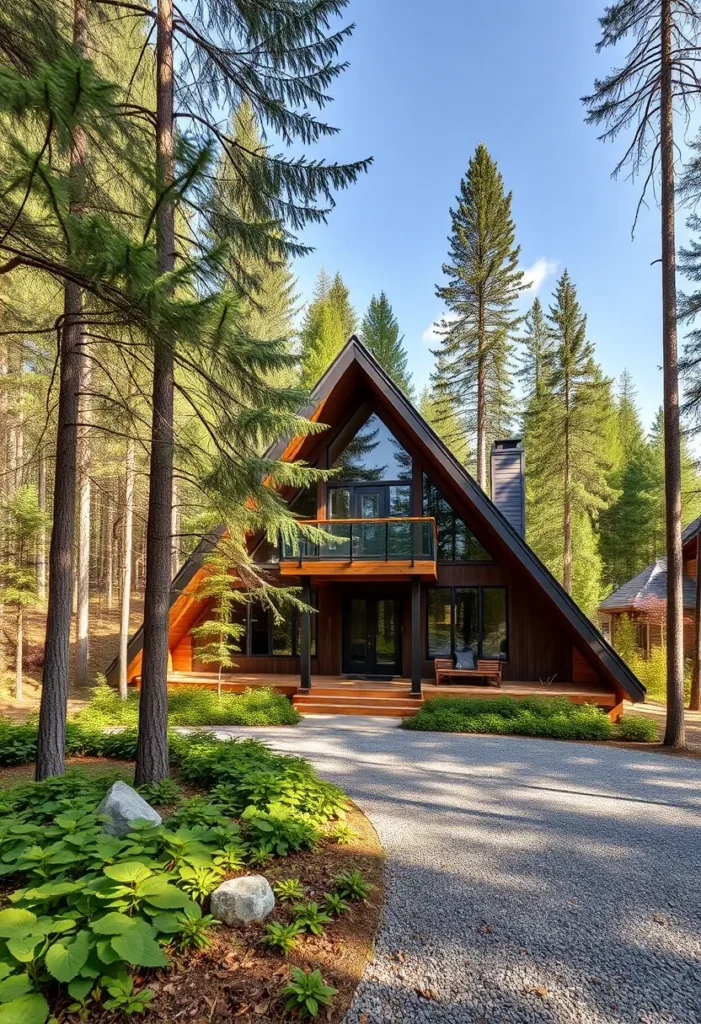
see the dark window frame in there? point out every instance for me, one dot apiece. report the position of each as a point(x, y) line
point(294, 626)
point(426, 479)
point(480, 619)
point(354, 486)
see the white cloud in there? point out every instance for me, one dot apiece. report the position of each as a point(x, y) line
point(536, 275)
point(432, 333)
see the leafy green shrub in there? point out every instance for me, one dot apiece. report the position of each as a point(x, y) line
point(245, 773)
point(554, 717)
point(193, 929)
point(159, 793)
point(306, 993)
point(340, 832)
point(352, 885)
point(638, 729)
point(281, 936)
point(335, 904)
point(192, 706)
point(18, 743)
point(289, 890)
point(309, 917)
point(278, 830)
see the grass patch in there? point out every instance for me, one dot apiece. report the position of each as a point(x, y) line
point(553, 717)
point(192, 706)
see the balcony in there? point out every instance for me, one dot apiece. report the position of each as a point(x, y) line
point(364, 547)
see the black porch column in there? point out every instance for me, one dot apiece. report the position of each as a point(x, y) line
point(416, 636)
point(305, 638)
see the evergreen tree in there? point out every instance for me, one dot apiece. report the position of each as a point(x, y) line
point(451, 430)
point(339, 298)
point(483, 284)
point(328, 323)
point(658, 76)
point(535, 358)
point(379, 332)
point(567, 464)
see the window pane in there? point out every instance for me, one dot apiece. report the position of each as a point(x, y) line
point(494, 638)
point(374, 454)
point(400, 501)
point(439, 643)
point(456, 542)
point(282, 635)
point(304, 504)
point(467, 620)
point(259, 629)
point(339, 503)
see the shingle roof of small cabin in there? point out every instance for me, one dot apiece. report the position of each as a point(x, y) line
point(354, 354)
point(648, 585)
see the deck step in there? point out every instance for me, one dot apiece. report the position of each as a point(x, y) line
point(383, 693)
point(356, 703)
point(347, 708)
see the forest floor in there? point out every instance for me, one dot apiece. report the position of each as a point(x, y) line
point(104, 644)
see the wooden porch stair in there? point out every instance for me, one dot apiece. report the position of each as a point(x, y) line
point(390, 701)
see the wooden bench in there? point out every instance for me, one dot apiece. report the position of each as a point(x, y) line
point(490, 670)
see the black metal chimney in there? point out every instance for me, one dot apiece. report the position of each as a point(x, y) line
point(509, 482)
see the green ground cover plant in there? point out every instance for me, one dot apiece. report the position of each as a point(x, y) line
point(638, 729)
point(86, 913)
point(553, 717)
point(192, 706)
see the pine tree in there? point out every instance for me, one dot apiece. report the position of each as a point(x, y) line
point(658, 76)
point(328, 322)
point(379, 332)
point(567, 464)
point(450, 429)
point(483, 284)
point(339, 297)
point(535, 358)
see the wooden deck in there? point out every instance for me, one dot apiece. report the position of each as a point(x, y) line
point(338, 695)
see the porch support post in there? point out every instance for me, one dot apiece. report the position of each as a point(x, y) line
point(305, 645)
point(416, 636)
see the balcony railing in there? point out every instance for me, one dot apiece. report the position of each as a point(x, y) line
point(405, 540)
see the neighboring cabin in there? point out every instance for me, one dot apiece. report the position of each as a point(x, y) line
point(644, 600)
point(424, 566)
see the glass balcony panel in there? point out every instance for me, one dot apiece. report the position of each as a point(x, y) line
point(371, 539)
point(399, 538)
point(340, 545)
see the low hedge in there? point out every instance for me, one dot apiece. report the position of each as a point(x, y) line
point(552, 717)
point(192, 706)
point(638, 729)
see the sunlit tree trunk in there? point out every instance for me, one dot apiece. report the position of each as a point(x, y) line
point(82, 653)
point(126, 569)
point(152, 747)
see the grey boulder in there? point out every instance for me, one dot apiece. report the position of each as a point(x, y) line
point(123, 804)
point(245, 899)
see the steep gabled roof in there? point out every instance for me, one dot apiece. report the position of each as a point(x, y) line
point(354, 356)
point(648, 585)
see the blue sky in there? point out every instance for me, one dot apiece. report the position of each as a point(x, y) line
point(426, 83)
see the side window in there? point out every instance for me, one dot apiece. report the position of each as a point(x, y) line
point(456, 542)
point(467, 619)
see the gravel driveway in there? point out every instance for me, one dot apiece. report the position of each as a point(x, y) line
point(528, 880)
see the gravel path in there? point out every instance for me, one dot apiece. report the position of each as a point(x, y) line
point(529, 881)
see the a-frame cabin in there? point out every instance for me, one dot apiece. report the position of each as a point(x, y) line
point(424, 565)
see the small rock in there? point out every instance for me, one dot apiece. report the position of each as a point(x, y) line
point(249, 898)
point(123, 804)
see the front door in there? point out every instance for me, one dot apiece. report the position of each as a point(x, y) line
point(371, 636)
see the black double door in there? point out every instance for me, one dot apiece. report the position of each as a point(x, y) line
point(371, 636)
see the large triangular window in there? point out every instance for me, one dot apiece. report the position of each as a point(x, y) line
point(373, 455)
point(456, 542)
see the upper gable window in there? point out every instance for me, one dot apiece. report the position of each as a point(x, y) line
point(456, 543)
point(373, 455)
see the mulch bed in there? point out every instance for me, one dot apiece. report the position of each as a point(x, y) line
point(238, 979)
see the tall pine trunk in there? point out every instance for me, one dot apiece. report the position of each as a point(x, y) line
point(567, 509)
point(41, 538)
point(695, 696)
point(175, 532)
point(152, 747)
point(481, 404)
point(19, 645)
point(51, 740)
point(126, 568)
point(674, 733)
point(109, 550)
point(82, 653)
